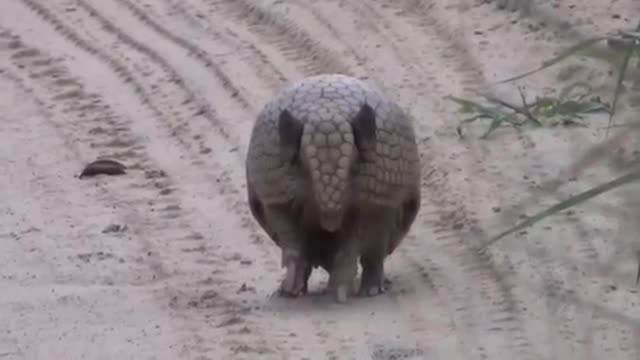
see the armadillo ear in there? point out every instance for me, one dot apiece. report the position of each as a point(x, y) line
point(364, 127)
point(290, 131)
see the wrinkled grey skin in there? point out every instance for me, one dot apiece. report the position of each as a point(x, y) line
point(333, 175)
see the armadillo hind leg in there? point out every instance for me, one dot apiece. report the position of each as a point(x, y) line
point(290, 239)
point(343, 272)
point(295, 281)
point(373, 278)
point(297, 271)
point(376, 240)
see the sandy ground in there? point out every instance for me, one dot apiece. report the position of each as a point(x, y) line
point(166, 262)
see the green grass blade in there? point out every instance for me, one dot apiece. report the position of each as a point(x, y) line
point(616, 93)
point(572, 201)
point(576, 107)
point(468, 106)
point(495, 123)
point(563, 55)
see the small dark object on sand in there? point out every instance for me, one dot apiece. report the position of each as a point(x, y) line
point(103, 166)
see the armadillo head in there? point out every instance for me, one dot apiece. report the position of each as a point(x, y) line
point(326, 154)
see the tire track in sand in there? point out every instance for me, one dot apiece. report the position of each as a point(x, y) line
point(217, 24)
point(424, 15)
point(107, 137)
point(220, 180)
point(297, 325)
point(172, 74)
point(70, 97)
point(207, 27)
point(121, 71)
point(73, 269)
point(292, 41)
point(88, 124)
point(201, 55)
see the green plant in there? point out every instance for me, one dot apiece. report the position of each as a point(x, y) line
point(629, 41)
point(566, 109)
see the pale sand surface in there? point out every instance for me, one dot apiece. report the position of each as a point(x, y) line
point(170, 88)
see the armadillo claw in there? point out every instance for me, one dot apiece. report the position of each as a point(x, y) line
point(373, 281)
point(342, 289)
point(372, 288)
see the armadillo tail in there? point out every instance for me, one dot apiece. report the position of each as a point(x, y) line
point(330, 148)
point(329, 189)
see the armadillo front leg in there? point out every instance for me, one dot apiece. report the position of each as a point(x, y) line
point(307, 275)
point(290, 240)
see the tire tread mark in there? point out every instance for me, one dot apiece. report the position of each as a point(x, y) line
point(153, 263)
point(116, 131)
point(222, 181)
point(265, 69)
point(320, 18)
point(425, 18)
point(295, 44)
point(120, 70)
point(207, 111)
point(201, 55)
point(168, 209)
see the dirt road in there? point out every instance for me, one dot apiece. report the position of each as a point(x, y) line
point(165, 262)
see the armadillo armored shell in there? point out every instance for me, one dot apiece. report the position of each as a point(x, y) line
point(103, 166)
point(323, 119)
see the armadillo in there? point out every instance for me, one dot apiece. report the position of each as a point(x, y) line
point(333, 175)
